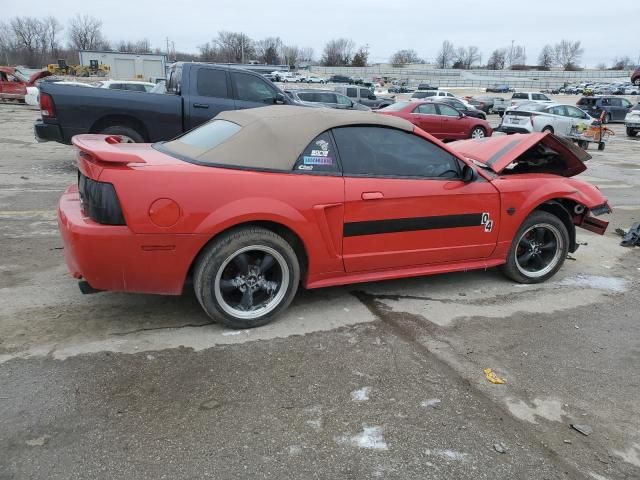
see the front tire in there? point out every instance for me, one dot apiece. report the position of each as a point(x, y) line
point(631, 132)
point(247, 277)
point(538, 250)
point(478, 132)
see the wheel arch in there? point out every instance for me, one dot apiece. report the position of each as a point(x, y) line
point(286, 232)
point(119, 120)
point(561, 208)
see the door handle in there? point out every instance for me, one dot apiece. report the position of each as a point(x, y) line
point(200, 105)
point(372, 195)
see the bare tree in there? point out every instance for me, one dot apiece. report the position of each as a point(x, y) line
point(338, 52)
point(465, 58)
point(403, 57)
point(622, 63)
point(85, 33)
point(138, 46)
point(209, 53)
point(291, 53)
point(546, 59)
point(446, 55)
point(568, 54)
point(234, 47)
point(306, 54)
point(268, 50)
point(498, 59)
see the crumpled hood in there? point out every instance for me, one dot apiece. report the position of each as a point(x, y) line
point(37, 76)
point(541, 152)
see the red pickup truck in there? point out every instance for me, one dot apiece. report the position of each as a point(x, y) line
point(14, 83)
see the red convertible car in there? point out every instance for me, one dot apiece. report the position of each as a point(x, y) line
point(255, 202)
point(440, 120)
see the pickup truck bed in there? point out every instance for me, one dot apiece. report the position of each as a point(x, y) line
point(196, 92)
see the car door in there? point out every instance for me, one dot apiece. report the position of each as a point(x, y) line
point(405, 204)
point(11, 87)
point(454, 126)
point(625, 107)
point(210, 94)
point(577, 117)
point(251, 91)
point(558, 119)
point(426, 116)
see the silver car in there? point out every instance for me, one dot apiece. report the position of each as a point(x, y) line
point(539, 117)
point(325, 98)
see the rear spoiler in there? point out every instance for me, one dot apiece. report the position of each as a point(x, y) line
point(105, 148)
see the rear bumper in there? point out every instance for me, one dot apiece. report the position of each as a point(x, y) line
point(48, 132)
point(508, 130)
point(115, 258)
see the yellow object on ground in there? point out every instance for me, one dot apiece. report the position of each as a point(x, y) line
point(492, 377)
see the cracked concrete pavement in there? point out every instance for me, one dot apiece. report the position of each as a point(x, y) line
point(380, 380)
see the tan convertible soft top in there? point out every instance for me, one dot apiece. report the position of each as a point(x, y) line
point(273, 137)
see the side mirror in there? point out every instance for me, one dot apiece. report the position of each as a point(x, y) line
point(372, 97)
point(280, 99)
point(468, 174)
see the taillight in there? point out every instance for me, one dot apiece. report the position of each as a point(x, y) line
point(47, 108)
point(100, 201)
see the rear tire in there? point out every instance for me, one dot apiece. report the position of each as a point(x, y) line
point(631, 132)
point(246, 277)
point(128, 134)
point(538, 250)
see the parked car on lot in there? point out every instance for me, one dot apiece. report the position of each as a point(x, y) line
point(326, 98)
point(440, 120)
point(14, 83)
point(196, 92)
point(500, 105)
point(423, 94)
point(340, 79)
point(401, 89)
point(536, 117)
point(615, 108)
point(484, 103)
point(426, 86)
point(527, 97)
point(314, 79)
point(129, 85)
point(364, 96)
point(632, 90)
point(251, 205)
point(462, 106)
point(632, 121)
point(499, 88)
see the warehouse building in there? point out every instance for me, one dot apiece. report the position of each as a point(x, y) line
point(127, 66)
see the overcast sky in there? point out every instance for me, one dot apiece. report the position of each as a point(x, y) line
point(606, 29)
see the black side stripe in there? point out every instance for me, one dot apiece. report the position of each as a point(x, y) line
point(374, 227)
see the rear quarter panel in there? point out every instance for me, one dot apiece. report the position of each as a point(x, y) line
point(212, 200)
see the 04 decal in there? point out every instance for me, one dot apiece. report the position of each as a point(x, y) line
point(487, 222)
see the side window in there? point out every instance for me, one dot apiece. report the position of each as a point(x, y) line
point(558, 110)
point(449, 94)
point(116, 86)
point(306, 96)
point(426, 109)
point(606, 102)
point(626, 103)
point(380, 151)
point(365, 93)
point(352, 92)
point(252, 88)
point(211, 83)
point(574, 112)
point(325, 97)
point(134, 87)
point(342, 100)
point(319, 156)
point(448, 111)
point(616, 102)
point(175, 80)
